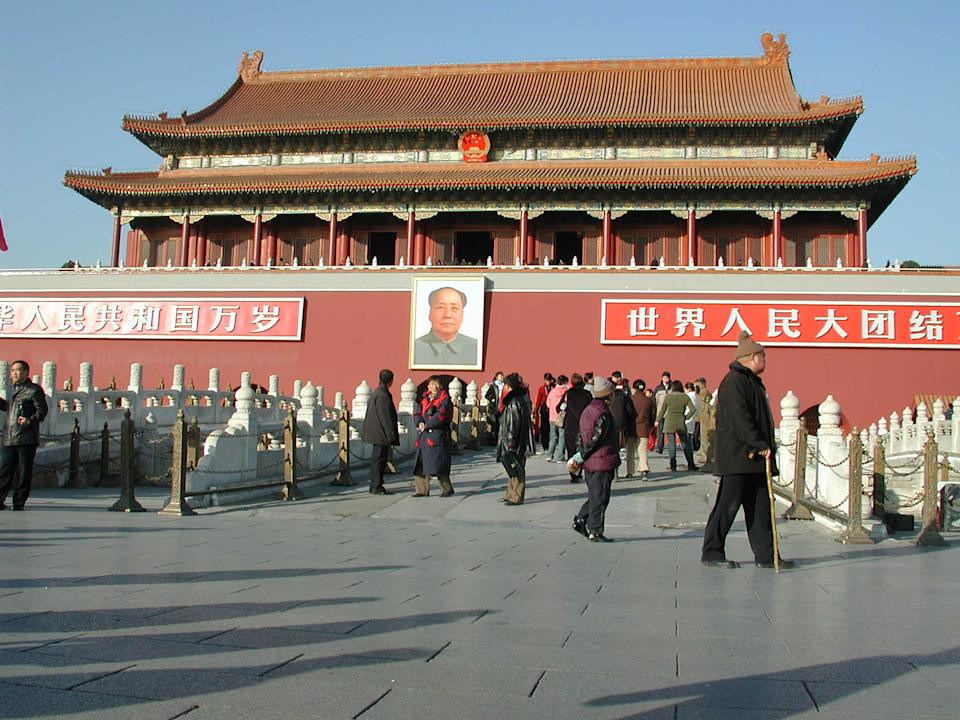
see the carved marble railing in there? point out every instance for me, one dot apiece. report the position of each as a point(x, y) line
point(891, 456)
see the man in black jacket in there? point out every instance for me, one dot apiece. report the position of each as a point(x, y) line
point(380, 430)
point(515, 439)
point(745, 441)
point(25, 411)
point(625, 416)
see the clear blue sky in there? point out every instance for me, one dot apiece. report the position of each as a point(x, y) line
point(71, 71)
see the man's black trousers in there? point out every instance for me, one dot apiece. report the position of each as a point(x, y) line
point(598, 497)
point(378, 466)
point(16, 471)
point(750, 491)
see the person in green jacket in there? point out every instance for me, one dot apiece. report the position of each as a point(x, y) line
point(674, 412)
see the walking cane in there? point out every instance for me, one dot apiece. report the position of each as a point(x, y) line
point(773, 510)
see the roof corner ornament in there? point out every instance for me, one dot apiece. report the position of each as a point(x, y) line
point(250, 65)
point(775, 50)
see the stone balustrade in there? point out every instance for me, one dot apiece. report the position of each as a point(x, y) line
point(901, 438)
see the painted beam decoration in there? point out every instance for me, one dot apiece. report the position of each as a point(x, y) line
point(128, 318)
point(797, 323)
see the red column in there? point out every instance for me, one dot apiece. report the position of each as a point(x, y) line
point(420, 243)
point(777, 236)
point(115, 250)
point(272, 244)
point(201, 244)
point(524, 238)
point(861, 237)
point(185, 241)
point(332, 237)
point(608, 238)
point(690, 251)
point(531, 243)
point(412, 240)
point(257, 238)
point(192, 246)
point(343, 245)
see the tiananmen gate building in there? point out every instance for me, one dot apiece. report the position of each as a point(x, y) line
point(593, 215)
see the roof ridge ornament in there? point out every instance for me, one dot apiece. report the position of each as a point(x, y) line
point(249, 68)
point(775, 51)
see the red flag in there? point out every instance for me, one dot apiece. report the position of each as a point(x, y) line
point(3, 240)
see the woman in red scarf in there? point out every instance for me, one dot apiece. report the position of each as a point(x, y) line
point(432, 418)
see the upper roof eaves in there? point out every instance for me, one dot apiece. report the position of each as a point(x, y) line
point(491, 96)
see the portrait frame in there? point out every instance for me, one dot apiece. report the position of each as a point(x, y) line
point(425, 350)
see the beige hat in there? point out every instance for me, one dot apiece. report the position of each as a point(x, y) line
point(746, 345)
point(602, 387)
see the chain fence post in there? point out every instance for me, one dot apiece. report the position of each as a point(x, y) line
point(473, 440)
point(177, 504)
point(193, 444)
point(73, 476)
point(455, 428)
point(343, 449)
point(104, 454)
point(855, 534)
point(290, 490)
point(128, 501)
point(797, 511)
point(930, 534)
point(879, 479)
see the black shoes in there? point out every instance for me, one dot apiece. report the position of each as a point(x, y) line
point(580, 526)
point(381, 491)
point(784, 564)
point(598, 537)
point(511, 503)
point(692, 468)
point(724, 564)
point(446, 494)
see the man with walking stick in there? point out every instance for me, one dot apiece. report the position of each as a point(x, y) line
point(745, 444)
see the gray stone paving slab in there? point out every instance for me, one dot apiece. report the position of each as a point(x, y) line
point(348, 605)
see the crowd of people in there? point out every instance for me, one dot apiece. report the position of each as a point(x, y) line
point(596, 424)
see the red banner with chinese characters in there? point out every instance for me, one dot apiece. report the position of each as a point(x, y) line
point(182, 318)
point(802, 323)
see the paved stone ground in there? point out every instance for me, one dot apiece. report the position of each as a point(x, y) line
point(347, 605)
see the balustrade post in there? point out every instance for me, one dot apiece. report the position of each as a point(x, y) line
point(73, 478)
point(879, 479)
point(343, 453)
point(798, 511)
point(855, 534)
point(473, 442)
point(127, 502)
point(104, 454)
point(177, 504)
point(290, 489)
point(455, 428)
point(930, 534)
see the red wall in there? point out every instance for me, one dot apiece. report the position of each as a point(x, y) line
point(349, 336)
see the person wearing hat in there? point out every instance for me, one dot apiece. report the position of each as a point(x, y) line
point(598, 452)
point(744, 442)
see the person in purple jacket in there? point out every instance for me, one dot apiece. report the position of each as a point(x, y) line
point(598, 450)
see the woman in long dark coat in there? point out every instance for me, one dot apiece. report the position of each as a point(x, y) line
point(573, 404)
point(432, 418)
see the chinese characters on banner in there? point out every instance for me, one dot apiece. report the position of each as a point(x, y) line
point(796, 323)
point(182, 318)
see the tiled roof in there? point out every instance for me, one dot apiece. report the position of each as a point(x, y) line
point(708, 91)
point(699, 174)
